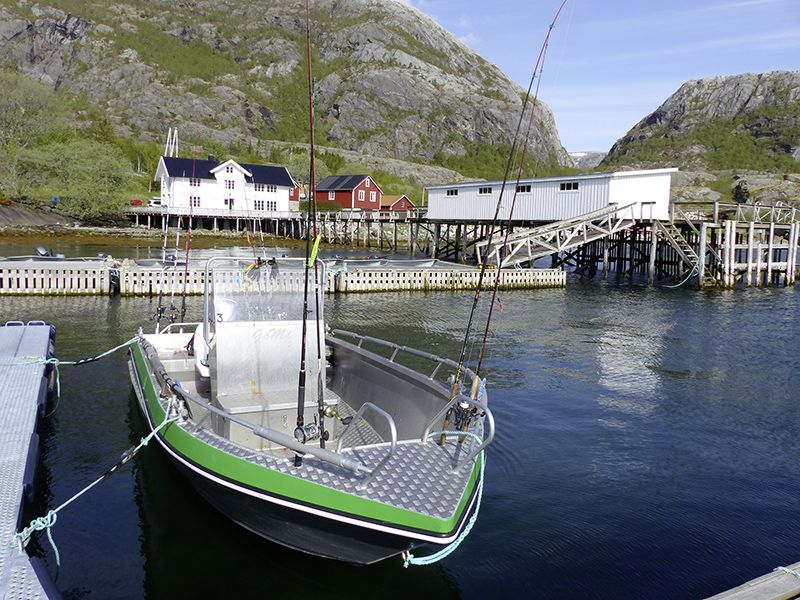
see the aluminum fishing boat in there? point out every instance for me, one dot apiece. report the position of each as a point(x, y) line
point(353, 466)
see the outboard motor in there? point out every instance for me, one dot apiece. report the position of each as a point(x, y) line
point(42, 251)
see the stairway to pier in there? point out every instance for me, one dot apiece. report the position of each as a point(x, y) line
point(525, 247)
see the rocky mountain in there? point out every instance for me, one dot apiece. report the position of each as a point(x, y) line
point(734, 137)
point(389, 81)
point(587, 160)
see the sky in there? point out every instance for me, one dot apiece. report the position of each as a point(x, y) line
point(612, 62)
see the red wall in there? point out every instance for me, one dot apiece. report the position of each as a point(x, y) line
point(403, 204)
point(342, 198)
point(345, 199)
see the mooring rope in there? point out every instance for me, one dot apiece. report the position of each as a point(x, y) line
point(693, 272)
point(47, 521)
point(57, 362)
point(408, 557)
point(788, 571)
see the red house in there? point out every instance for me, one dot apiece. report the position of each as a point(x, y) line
point(396, 203)
point(350, 191)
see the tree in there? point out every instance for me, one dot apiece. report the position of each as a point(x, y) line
point(28, 111)
point(91, 178)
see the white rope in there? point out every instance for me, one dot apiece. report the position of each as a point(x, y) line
point(408, 557)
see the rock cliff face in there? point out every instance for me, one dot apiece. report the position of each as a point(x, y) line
point(764, 108)
point(735, 139)
point(389, 80)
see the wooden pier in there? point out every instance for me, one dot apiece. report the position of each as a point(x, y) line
point(127, 278)
point(23, 349)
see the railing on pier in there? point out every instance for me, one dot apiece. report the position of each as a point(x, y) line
point(778, 213)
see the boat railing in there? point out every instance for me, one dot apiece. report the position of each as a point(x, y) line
point(171, 327)
point(466, 401)
point(463, 399)
point(351, 427)
point(397, 348)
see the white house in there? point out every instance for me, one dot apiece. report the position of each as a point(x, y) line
point(216, 188)
point(554, 198)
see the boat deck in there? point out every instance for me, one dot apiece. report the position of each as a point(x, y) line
point(24, 393)
point(419, 477)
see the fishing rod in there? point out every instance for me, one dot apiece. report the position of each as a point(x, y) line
point(495, 219)
point(540, 67)
point(160, 308)
point(188, 245)
point(299, 432)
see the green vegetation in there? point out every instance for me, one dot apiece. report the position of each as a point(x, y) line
point(487, 161)
point(756, 140)
point(43, 155)
point(392, 184)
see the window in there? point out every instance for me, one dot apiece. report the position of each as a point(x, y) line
point(194, 182)
point(523, 189)
point(229, 184)
point(366, 184)
point(484, 191)
point(452, 192)
point(569, 186)
point(331, 196)
point(372, 196)
point(361, 195)
point(194, 201)
point(258, 204)
point(272, 188)
point(229, 169)
point(226, 201)
point(272, 205)
point(259, 187)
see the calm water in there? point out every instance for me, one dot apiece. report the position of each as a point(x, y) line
point(647, 445)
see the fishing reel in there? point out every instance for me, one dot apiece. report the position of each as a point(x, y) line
point(332, 412)
point(310, 432)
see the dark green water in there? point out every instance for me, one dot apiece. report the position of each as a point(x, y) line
point(647, 447)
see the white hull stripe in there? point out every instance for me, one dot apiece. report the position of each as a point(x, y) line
point(305, 508)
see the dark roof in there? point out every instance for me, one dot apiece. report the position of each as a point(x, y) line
point(189, 167)
point(266, 174)
point(201, 169)
point(340, 182)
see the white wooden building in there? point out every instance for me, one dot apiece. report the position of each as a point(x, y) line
point(215, 188)
point(554, 198)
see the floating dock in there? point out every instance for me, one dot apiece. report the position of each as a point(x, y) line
point(781, 584)
point(23, 399)
point(148, 277)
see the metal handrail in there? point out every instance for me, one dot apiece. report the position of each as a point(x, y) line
point(392, 447)
point(397, 348)
point(169, 326)
point(489, 418)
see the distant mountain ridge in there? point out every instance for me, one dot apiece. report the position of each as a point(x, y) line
point(734, 138)
point(742, 121)
point(390, 81)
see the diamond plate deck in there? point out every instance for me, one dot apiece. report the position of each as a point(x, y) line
point(419, 477)
point(21, 384)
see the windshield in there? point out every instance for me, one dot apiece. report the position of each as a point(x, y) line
point(252, 291)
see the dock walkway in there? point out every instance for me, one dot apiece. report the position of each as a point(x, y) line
point(147, 277)
point(23, 397)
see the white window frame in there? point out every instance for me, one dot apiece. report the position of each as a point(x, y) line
point(331, 196)
point(372, 197)
point(361, 195)
point(485, 191)
point(451, 192)
point(366, 184)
